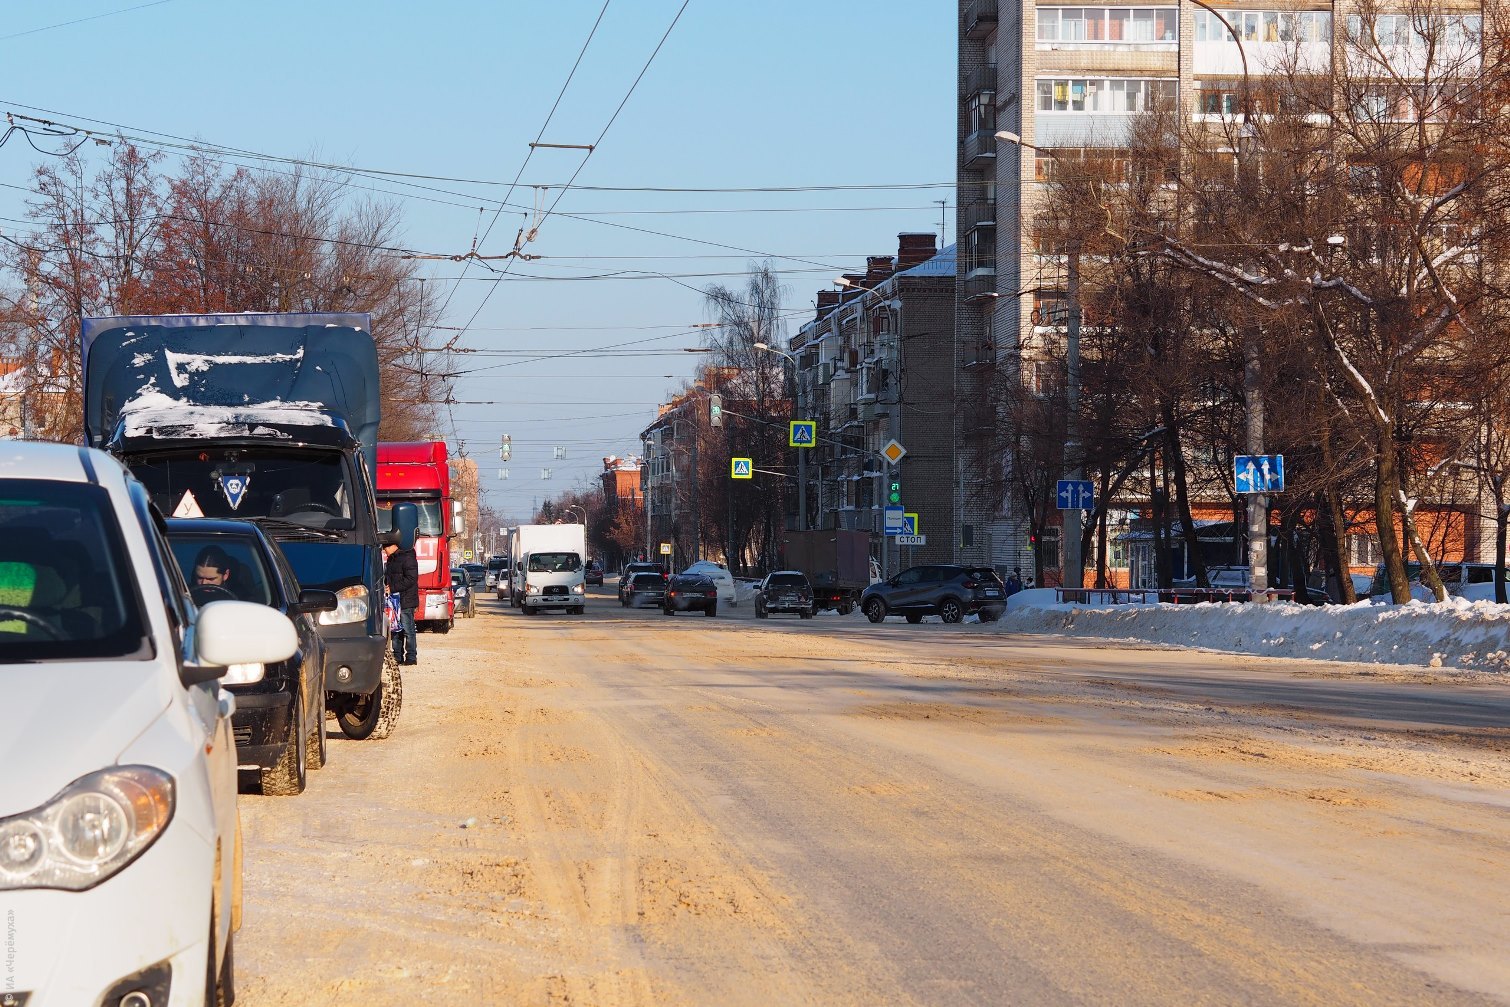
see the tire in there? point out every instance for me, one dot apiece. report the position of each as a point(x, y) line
point(846, 608)
point(875, 610)
point(761, 613)
point(443, 627)
point(989, 616)
point(392, 689)
point(951, 611)
point(806, 613)
point(711, 611)
point(290, 776)
point(580, 610)
point(316, 753)
point(667, 610)
point(914, 618)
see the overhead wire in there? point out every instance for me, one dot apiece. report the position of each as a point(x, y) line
point(81, 20)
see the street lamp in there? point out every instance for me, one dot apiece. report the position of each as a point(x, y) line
point(801, 452)
point(1073, 564)
point(570, 508)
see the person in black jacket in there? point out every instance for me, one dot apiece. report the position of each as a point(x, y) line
point(402, 574)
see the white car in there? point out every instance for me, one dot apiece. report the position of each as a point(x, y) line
point(120, 851)
point(719, 575)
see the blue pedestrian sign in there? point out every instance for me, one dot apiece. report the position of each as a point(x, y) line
point(1259, 473)
point(910, 524)
point(741, 468)
point(895, 521)
point(802, 433)
point(1076, 494)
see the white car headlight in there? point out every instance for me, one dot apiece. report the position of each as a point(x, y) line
point(95, 827)
point(579, 589)
point(351, 606)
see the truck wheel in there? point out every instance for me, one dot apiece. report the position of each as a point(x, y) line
point(950, 610)
point(441, 627)
point(875, 610)
point(392, 700)
point(667, 610)
point(806, 613)
point(289, 777)
point(846, 608)
point(359, 715)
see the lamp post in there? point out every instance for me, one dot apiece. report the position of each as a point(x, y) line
point(1072, 563)
point(801, 452)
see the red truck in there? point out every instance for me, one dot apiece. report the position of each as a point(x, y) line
point(417, 472)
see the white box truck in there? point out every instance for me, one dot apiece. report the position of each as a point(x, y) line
point(549, 567)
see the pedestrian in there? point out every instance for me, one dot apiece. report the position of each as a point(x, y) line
point(1014, 582)
point(1029, 585)
point(402, 574)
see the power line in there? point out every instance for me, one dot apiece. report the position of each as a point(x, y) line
point(81, 20)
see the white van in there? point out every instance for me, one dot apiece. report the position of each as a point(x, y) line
point(550, 562)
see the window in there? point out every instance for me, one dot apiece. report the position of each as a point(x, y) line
point(1108, 24)
point(1048, 547)
point(983, 112)
point(1363, 550)
point(1264, 26)
point(1119, 95)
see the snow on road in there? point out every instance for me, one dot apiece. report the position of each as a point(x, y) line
point(1473, 636)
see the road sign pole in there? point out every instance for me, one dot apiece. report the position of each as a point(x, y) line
point(1258, 503)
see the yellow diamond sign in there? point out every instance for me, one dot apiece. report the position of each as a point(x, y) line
point(893, 452)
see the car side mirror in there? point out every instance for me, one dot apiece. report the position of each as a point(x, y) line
point(237, 632)
point(312, 601)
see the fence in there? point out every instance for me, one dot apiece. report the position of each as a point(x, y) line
point(1164, 595)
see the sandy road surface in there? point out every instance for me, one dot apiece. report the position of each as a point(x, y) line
point(725, 811)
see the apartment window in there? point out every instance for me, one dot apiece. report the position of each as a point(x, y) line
point(1404, 30)
point(983, 112)
point(1048, 548)
point(1108, 24)
point(1104, 94)
point(1265, 26)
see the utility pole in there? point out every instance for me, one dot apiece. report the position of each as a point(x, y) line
point(697, 523)
point(1258, 503)
point(1073, 562)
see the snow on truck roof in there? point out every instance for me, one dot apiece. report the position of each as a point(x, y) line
point(153, 414)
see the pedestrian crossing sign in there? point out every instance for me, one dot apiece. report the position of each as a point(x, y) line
point(741, 468)
point(910, 524)
point(802, 433)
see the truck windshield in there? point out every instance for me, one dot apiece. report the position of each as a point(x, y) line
point(555, 562)
point(313, 489)
point(429, 515)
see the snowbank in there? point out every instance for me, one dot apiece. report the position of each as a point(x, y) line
point(1455, 633)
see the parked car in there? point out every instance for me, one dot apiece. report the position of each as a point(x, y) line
point(502, 581)
point(477, 574)
point(630, 569)
point(120, 852)
point(947, 591)
point(691, 592)
point(1473, 581)
point(785, 591)
point(720, 575)
point(645, 589)
point(593, 572)
point(279, 724)
point(464, 591)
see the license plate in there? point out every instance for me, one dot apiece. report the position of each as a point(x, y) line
point(993, 594)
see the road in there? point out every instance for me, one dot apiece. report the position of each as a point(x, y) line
point(624, 808)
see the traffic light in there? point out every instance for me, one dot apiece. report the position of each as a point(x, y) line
point(715, 410)
point(894, 493)
point(506, 450)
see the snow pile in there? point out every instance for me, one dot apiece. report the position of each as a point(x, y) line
point(153, 414)
point(1456, 633)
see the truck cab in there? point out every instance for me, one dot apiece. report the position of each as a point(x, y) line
point(269, 417)
point(549, 568)
point(418, 473)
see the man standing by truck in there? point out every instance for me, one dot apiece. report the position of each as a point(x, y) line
point(402, 573)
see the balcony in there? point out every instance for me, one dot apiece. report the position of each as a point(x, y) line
point(980, 356)
point(980, 148)
point(980, 213)
point(979, 81)
point(980, 18)
point(980, 281)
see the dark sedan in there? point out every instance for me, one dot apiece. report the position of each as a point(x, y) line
point(690, 592)
point(628, 573)
point(947, 591)
point(279, 724)
point(593, 574)
point(784, 591)
point(645, 589)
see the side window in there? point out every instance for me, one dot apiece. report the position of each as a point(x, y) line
point(170, 582)
point(909, 577)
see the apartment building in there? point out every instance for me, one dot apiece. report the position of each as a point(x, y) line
point(1068, 80)
point(877, 363)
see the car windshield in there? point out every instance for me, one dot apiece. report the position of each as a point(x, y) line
point(221, 567)
point(787, 580)
point(429, 515)
point(66, 590)
point(555, 562)
point(313, 489)
point(646, 580)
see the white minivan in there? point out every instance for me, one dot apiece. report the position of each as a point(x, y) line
point(719, 575)
point(120, 851)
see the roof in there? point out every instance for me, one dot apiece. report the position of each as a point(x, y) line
point(44, 460)
point(215, 526)
point(942, 264)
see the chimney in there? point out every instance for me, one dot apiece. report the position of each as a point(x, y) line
point(915, 247)
point(878, 268)
point(827, 301)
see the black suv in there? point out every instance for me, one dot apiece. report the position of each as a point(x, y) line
point(950, 592)
point(691, 592)
point(630, 569)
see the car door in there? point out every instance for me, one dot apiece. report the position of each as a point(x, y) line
point(311, 644)
point(210, 708)
point(908, 590)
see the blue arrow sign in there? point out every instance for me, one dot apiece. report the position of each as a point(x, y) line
point(895, 522)
point(1075, 494)
point(802, 433)
point(1259, 473)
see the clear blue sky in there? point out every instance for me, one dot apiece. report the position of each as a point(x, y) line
point(779, 93)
